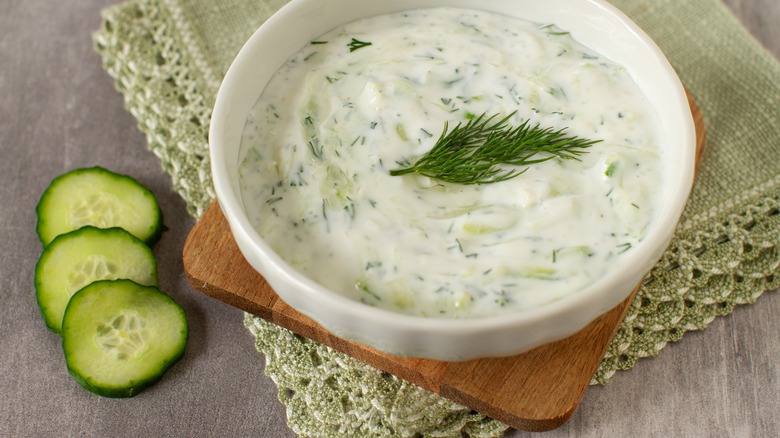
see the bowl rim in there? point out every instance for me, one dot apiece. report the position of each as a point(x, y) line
point(341, 313)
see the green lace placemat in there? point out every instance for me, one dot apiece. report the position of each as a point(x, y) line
point(168, 57)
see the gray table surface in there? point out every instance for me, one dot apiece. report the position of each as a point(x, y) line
point(60, 111)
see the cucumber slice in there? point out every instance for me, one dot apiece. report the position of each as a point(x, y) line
point(75, 259)
point(101, 198)
point(119, 337)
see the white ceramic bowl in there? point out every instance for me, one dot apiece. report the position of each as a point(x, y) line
point(595, 24)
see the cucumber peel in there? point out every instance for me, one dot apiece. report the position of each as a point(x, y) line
point(101, 198)
point(119, 337)
point(96, 282)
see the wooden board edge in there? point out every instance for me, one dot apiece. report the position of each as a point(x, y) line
point(405, 367)
point(402, 367)
point(541, 420)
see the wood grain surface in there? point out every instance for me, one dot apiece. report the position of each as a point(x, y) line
point(60, 110)
point(537, 390)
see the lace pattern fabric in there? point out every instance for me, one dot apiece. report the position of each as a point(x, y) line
point(165, 89)
point(167, 58)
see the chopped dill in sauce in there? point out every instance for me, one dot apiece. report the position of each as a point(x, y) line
point(333, 122)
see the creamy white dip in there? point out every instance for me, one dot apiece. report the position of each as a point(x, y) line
point(319, 144)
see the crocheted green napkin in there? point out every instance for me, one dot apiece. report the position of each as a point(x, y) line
point(168, 57)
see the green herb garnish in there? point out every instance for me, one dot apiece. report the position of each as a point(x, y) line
point(474, 153)
point(357, 44)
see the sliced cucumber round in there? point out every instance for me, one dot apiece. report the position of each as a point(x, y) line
point(101, 198)
point(119, 337)
point(75, 259)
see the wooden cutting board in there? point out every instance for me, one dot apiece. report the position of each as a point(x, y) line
point(537, 390)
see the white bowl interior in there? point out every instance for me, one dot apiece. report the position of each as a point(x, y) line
point(592, 22)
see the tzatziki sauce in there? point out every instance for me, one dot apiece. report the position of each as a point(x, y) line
point(367, 97)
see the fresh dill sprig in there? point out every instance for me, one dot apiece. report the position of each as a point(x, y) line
point(357, 44)
point(479, 151)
